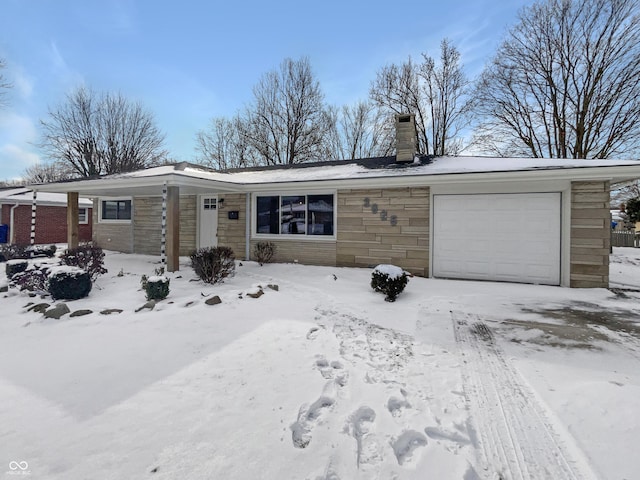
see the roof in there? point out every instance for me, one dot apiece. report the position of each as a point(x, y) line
point(383, 171)
point(24, 196)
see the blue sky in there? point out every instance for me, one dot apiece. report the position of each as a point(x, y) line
point(188, 61)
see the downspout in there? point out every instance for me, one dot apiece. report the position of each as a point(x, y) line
point(247, 233)
point(12, 237)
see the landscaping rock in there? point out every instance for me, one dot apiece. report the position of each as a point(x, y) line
point(81, 313)
point(109, 311)
point(274, 287)
point(257, 294)
point(151, 304)
point(215, 300)
point(39, 307)
point(56, 312)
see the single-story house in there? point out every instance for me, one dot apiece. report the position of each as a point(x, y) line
point(543, 221)
point(16, 205)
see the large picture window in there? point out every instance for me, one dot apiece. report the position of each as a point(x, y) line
point(116, 210)
point(295, 214)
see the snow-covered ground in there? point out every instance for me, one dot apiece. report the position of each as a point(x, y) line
point(320, 378)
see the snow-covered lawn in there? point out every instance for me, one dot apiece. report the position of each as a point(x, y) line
point(320, 378)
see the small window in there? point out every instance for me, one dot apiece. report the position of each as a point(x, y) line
point(210, 203)
point(116, 210)
point(83, 216)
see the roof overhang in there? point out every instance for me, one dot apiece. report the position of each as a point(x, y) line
point(139, 186)
point(190, 185)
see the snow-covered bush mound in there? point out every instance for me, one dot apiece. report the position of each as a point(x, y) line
point(390, 280)
point(156, 287)
point(14, 267)
point(69, 283)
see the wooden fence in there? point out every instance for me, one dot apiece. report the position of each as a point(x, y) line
point(625, 239)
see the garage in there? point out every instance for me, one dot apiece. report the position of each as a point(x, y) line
point(498, 237)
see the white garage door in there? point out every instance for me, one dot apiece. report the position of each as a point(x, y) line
point(503, 237)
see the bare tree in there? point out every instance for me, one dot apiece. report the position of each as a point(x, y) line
point(128, 137)
point(565, 82)
point(436, 92)
point(104, 134)
point(359, 131)
point(4, 84)
point(222, 145)
point(397, 90)
point(287, 122)
point(446, 88)
point(47, 173)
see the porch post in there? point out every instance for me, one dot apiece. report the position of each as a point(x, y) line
point(173, 229)
point(33, 218)
point(72, 219)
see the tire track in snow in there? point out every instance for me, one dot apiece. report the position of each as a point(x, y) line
point(517, 440)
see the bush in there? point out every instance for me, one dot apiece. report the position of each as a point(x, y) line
point(264, 252)
point(88, 257)
point(213, 264)
point(33, 279)
point(41, 251)
point(12, 252)
point(390, 280)
point(14, 267)
point(69, 283)
point(156, 287)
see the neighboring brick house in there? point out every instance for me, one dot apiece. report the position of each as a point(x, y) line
point(51, 216)
point(525, 220)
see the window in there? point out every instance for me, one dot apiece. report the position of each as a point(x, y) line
point(295, 215)
point(209, 203)
point(116, 210)
point(83, 216)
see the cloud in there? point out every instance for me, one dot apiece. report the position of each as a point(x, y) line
point(17, 152)
point(22, 82)
point(62, 69)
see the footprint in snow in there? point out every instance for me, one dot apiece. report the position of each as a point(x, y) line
point(359, 426)
point(310, 415)
point(396, 405)
point(405, 445)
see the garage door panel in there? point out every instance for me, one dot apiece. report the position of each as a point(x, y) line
point(505, 237)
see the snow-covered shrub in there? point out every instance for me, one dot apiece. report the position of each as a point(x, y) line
point(88, 257)
point(41, 251)
point(390, 280)
point(69, 283)
point(33, 279)
point(156, 287)
point(12, 252)
point(14, 267)
point(264, 252)
point(213, 264)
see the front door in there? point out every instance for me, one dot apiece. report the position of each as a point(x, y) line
point(208, 221)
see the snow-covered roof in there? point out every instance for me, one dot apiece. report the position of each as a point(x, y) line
point(383, 171)
point(24, 196)
point(373, 168)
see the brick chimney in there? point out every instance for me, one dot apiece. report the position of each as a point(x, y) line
point(406, 138)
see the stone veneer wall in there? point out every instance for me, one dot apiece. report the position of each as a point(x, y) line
point(307, 252)
point(147, 224)
point(590, 234)
point(143, 234)
point(231, 233)
point(367, 235)
point(111, 236)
